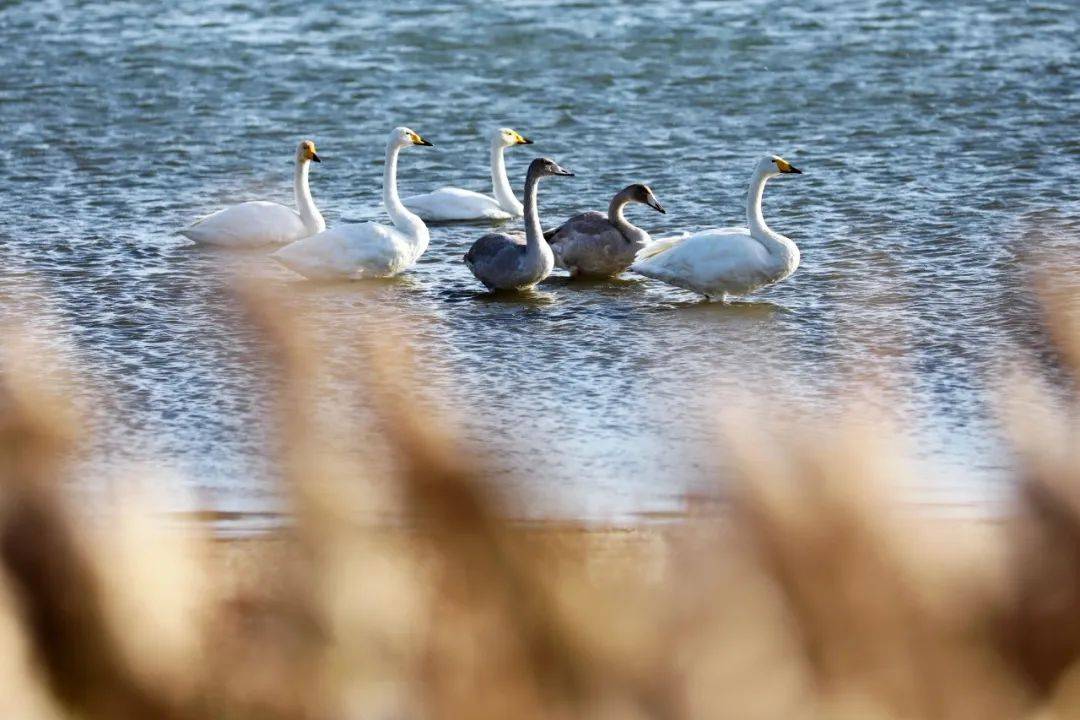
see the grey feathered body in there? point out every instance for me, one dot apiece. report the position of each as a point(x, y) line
point(504, 262)
point(500, 262)
point(590, 245)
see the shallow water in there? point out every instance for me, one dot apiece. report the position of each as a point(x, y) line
point(939, 147)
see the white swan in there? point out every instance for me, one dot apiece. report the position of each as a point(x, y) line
point(450, 203)
point(257, 223)
point(367, 250)
point(727, 261)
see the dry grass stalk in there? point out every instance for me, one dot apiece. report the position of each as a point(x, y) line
point(812, 595)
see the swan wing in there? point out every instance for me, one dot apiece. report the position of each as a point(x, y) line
point(726, 260)
point(589, 244)
point(348, 252)
point(495, 260)
point(661, 245)
point(450, 203)
point(248, 224)
point(671, 238)
point(587, 224)
point(494, 249)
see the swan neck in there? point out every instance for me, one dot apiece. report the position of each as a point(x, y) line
point(616, 217)
point(305, 205)
point(780, 247)
point(534, 235)
point(403, 219)
point(500, 183)
point(755, 220)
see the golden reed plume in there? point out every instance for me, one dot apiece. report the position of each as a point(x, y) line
point(813, 592)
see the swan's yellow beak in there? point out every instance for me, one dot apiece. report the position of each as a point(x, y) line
point(521, 139)
point(417, 140)
point(785, 167)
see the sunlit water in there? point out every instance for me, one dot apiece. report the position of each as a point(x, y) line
point(939, 143)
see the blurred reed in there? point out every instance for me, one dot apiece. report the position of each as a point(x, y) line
point(813, 592)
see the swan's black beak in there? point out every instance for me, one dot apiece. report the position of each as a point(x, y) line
point(316, 158)
point(563, 171)
point(525, 141)
point(655, 205)
point(421, 141)
point(791, 170)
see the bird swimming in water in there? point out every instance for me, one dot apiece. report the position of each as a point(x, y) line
point(503, 262)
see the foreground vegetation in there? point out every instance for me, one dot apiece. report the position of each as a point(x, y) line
point(810, 592)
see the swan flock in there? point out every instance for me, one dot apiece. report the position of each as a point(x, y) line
point(716, 263)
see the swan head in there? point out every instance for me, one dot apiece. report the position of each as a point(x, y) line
point(773, 165)
point(644, 195)
point(545, 167)
point(404, 137)
point(508, 137)
point(305, 151)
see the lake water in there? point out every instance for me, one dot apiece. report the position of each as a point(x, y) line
point(939, 142)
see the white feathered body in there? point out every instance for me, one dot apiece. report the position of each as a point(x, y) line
point(724, 261)
point(456, 204)
point(249, 224)
point(352, 252)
